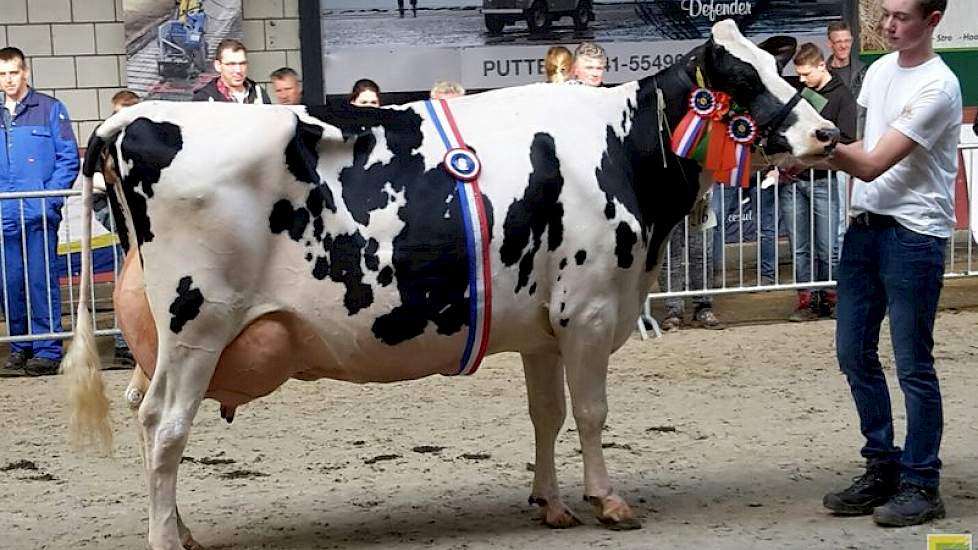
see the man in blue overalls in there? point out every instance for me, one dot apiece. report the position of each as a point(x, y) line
point(39, 152)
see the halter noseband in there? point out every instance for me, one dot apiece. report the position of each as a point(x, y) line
point(778, 119)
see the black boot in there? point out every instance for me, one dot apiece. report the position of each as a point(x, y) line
point(912, 505)
point(872, 489)
point(16, 364)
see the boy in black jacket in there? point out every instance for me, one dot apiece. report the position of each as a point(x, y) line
point(816, 200)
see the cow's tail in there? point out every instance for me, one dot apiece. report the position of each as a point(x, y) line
point(88, 420)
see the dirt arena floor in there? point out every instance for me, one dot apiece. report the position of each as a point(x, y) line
point(719, 440)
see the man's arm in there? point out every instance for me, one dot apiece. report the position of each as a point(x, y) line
point(869, 165)
point(922, 122)
point(65, 149)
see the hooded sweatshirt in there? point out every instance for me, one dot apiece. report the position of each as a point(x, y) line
point(840, 110)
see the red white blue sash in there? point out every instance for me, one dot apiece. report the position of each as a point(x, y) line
point(463, 165)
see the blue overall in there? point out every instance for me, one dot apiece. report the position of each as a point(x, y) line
point(39, 152)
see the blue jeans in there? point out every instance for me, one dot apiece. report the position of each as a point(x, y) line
point(769, 220)
point(897, 271)
point(43, 288)
point(811, 212)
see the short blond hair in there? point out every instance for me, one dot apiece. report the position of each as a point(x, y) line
point(446, 88)
point(590, 50)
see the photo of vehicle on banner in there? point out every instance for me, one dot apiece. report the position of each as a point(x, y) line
point(407, 45)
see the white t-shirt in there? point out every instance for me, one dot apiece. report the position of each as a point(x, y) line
point(924, 104)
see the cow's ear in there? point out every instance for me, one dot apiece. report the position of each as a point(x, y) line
point(782, 48)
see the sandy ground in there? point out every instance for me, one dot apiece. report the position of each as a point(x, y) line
point(721, 440)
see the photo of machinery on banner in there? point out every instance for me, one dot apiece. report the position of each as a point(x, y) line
point(170, 43)
point(407, 45)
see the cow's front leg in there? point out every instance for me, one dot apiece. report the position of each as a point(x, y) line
point(545, 393)
point(166, 415)
point(585, 347)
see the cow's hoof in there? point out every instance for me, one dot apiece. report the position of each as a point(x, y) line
point(556, 514)
point(192, 545)
point(614, 512)
point(182, 546)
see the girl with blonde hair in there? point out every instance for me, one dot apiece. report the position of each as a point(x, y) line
point(557, 64)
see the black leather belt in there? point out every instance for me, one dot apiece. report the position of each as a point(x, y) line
point(870, 219)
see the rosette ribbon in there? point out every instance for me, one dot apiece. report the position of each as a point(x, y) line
point(723, 147)
point(689, 133)
point(742, 131)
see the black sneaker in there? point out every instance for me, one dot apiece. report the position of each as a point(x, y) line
point(872, 489)
point(41, 366)
point(15, 364)
point(912, 505)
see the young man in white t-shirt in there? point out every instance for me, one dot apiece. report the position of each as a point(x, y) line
point(893, 261)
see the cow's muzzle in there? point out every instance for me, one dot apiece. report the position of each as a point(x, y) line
point(828, 137)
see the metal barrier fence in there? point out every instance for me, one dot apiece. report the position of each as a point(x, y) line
point(751, 261)
point(754, 259)
point(43, 295)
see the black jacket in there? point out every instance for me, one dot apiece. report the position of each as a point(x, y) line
point(209, 92)
point(840, 110)
point(852, 75)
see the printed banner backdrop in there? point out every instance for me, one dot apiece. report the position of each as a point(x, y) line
point(408, 50)
point(170, 43)
point(957, 31)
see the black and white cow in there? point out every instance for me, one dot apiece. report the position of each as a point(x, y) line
point(273, 244)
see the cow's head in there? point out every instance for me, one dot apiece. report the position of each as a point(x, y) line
point(751, 75)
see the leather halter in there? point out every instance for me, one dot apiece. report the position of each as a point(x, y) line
point(765, 128)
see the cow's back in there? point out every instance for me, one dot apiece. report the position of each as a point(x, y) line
point(355, 236)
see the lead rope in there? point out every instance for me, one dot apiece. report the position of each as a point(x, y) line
point(663, 122)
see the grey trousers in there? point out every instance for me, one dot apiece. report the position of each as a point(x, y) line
point(684, 265)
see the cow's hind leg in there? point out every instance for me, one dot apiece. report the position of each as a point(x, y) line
point(134, 394)
point(585, 347)
point(545, 393)
point(166, 415)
